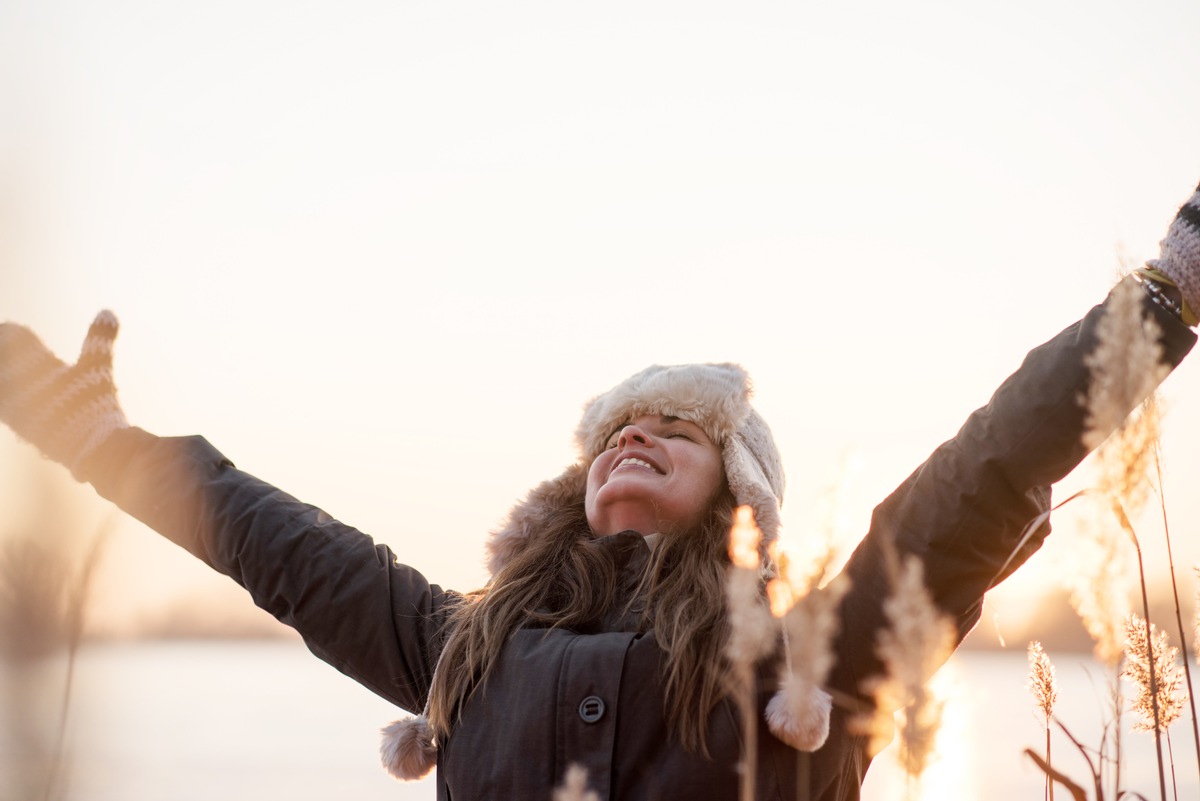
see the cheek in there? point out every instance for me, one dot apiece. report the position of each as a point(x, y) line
point(716, 473)
point(594, 481)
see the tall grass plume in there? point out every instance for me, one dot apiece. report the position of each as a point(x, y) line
point(799, 713)
point(751, 633)
point(916, 641)
point(1125, 368)
point(1044, 686)
point(1101, 584)
point(1152, 667)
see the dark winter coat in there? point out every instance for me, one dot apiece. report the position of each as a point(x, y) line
point(593, 696)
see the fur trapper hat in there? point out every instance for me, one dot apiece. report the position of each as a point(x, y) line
point(715, 397)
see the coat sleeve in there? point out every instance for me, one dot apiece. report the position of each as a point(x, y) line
point(965, 509)
point(354, 604)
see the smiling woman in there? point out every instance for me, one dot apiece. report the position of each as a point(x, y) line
point(599, 640)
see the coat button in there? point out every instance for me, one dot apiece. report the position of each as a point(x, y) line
point(592, 709)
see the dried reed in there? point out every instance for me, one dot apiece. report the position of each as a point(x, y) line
point(1101, 585)
point(917, 640)
point(1125, 368)
point(574, 786)
point(1044, 687)
point(43, 598)
point(1196, 613)
point(1187, 671)
point(800, 713)
point(1096, 770)
point(1042, 681)
point(751, 633)
point(1123, 426)
point(1151, 666)
point(1152, 678)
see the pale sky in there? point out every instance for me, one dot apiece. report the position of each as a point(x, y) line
point(381, 253)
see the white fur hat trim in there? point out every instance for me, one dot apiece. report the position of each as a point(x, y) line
point(715, 397)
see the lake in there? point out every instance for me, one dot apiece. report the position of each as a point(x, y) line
point(265, 720)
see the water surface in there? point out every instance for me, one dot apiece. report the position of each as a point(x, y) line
point(196, 721)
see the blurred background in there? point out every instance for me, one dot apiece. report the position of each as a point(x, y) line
point(381, 253)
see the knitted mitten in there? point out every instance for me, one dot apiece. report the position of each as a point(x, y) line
point(1179, 255)
point(64, 410)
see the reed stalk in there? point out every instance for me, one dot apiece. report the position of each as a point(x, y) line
point(1118, 702)
point(1052, 775)
point(1044, 687)
point(1152, 681)
point(752, 633)
point(1174, 782)
point(74, 615)
point(1183, 642)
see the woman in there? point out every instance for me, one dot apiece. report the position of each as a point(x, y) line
point(598, 640)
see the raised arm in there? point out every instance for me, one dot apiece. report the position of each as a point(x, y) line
point(357, 608)
point(963, 511)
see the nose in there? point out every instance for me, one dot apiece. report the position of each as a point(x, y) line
point(633, 433)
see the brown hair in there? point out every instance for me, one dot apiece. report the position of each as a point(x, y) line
point(557, 580)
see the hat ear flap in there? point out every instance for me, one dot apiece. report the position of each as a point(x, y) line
point(750, 486)
point(534, 515)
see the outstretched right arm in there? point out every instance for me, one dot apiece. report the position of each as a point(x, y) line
point(356, 606)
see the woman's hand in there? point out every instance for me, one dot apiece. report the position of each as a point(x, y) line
point(1179, 259)
point(64, 410)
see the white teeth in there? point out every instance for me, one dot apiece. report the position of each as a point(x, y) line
point(636, 461)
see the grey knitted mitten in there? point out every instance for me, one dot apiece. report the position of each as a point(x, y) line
point(1179, 255)
point(64, 410)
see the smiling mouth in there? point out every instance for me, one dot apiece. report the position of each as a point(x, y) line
point(633, 461)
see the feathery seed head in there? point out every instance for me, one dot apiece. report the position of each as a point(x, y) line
point(1170, 690)
point(744, 538)
point(1042, 682)
point(1100, 585)
point(1126, 366)
point(751, 628)
point(916, 642)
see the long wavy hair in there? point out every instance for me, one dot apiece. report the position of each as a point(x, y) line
point(559, 581)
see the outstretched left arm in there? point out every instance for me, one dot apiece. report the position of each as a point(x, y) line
point(963, 512)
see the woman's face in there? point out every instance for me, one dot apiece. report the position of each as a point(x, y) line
point(659, 474)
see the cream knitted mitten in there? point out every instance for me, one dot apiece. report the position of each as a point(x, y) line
point(1179, 255)
point(66, 411)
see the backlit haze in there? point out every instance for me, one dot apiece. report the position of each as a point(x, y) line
point(381, 253)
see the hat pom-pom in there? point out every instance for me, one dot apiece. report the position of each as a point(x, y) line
point(407, 750)
point(799, 714)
